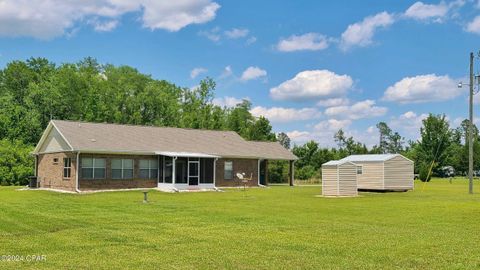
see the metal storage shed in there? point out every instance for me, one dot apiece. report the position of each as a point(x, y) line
point(383, 171)
point(339, 178)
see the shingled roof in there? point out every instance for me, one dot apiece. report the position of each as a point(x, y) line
point(115, 138)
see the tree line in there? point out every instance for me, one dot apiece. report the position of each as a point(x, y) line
point(34, 91)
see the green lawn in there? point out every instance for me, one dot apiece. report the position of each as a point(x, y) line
point(275, 228)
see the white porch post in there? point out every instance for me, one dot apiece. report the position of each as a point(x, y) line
point(214, 171)
point(173, 170)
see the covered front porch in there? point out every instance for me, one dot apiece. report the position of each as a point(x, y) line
point(186, 171)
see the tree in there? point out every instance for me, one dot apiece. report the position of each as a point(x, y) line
point(283, 139)
point(385, 134)
point(436, 139)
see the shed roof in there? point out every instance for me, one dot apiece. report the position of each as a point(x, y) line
point(336, 162)
point(370, 157)
point(102, 137)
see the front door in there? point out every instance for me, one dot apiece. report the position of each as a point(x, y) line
point(193, 171)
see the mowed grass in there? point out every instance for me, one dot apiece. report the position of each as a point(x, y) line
point(437, 226)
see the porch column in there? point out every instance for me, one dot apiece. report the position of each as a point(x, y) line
point(291, 173)
point(174, 159)
point(266, 172)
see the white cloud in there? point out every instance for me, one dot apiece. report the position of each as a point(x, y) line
point(361, 33)
point(236, 33)
point(408, 124)
point(309, 41)
point(283, 115)
point(212, 34)
point(300, 137)
point(104, 26)
point(227, 72)
point(333, 124)
point(228, 102)
point(49, 19)
point(421, 11)
point(252, 73)
point(422, 88)
point(474, 26)
point(197, 71)
point(332, 102)
point(175, 15)
point(312, 84)
point(359, 110)
point(433, 12)
point(251, 40)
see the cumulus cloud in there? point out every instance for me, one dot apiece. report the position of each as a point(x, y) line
point(408, 124)
point(309, 41)
point(474, 26)
point(359, 110)
point(332, 102)
point(104, 26)
point(228, 102)
point(236, 33)
point(361, 33)
point(283, 115)
point(251, 40)
point(212, 34)
point(49, 19)
point(312, 84)
point(227, 72)
point(436, 12)
point(333, 124)
point(421, 11)
point(300, 137)
point(422, 88)
point(252, 73)
point(197, 71)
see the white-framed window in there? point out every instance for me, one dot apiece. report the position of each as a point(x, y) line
point(122, 168)
point(93, 168)
point(228, 170)
point(359, 169)
point(148, 168)
point(67, 167)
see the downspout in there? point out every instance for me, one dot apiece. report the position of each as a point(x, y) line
point(77, 172)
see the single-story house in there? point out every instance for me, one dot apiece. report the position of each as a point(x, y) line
point(339, 178)
point(382, 171)
point(80, 156)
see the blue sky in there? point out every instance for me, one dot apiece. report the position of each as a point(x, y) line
point(311, 67)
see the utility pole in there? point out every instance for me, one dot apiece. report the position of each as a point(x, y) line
point(470, 129)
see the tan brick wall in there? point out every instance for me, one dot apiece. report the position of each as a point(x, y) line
point(247, 166)
point(109, 183)
point(50, 174)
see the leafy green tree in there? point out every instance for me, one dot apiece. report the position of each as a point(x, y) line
point(283, 139)
point(435, 142)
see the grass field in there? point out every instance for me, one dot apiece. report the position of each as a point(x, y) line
point(275, 228)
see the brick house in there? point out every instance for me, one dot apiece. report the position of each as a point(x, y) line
point(81, 156)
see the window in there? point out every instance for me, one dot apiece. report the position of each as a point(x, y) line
point(148, 169)
point(55, 160)
point(228, 170)
point(93, 168)
point(122, 168)
point(359, 170)
point(67, 167)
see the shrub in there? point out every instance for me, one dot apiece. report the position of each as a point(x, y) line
point(424, 173)
point(16, 162)
point(305, 172)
